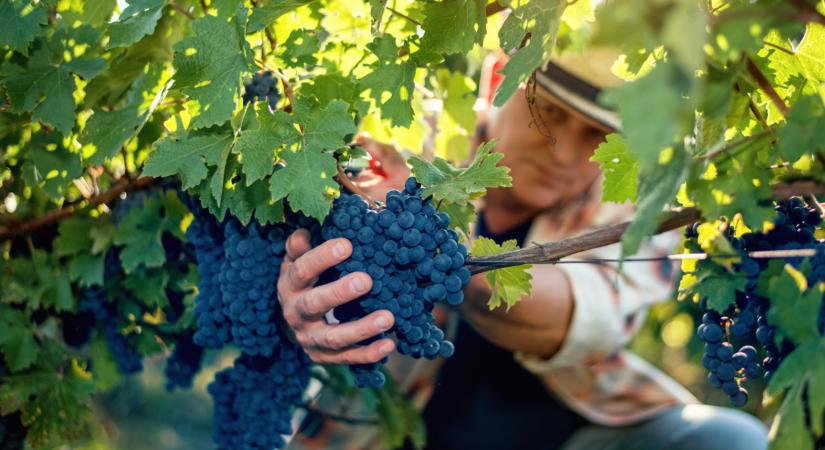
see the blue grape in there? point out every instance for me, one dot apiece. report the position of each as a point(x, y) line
point(184, 363)
point(263, 86)
point(127, 359)
point(414, 260)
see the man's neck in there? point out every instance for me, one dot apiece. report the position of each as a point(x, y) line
point(501, 215)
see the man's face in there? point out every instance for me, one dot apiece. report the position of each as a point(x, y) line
point(547, 149)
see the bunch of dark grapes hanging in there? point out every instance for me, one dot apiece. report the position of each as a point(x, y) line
point(414, 260)
point(262, 87)
point(237, 303)
point(746, 321)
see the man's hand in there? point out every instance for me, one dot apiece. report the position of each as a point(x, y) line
point(387, 169)
point(305, 305)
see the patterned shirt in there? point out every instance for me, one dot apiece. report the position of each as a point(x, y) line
point(592, 373)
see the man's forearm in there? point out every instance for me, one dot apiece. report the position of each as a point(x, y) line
point(537, 325)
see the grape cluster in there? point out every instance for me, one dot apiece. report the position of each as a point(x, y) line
point(237, 303)
point(262, 87)
point(747, 320)
point(128, 360)
point(184, 363)
point(414, 260)
point(206, 235)
point(255, 398)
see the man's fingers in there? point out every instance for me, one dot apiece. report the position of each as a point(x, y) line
point(303, 271)
point(342, 336)
point(356, 355)
point(297, 244)
point(317, 301)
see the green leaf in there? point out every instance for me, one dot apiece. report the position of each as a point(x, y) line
point(209, 66)
point(398, 419)
point(257, 147)
point(306, 181)
point(392, 78)
point(50, 170)
point(794, 312)
point(804, 132)
point(466, 20)
point(647, 134)
point(54, 400)
point(188, 157)
point(620, 170)
point(270, 10)
point(17, 342)
point(800, 371)
point(20, 23)
point(459, 186)
point(42, 88)
point(108, 131)
point(657, 187)
point(510, 284)
point(300, 48)
point(457, 91)
point(74, 236)
point(140, 235)
point(325, 128)
point(87, 270)
point(718, 288)
point(461, 216)
point(538, 18)
point(376, 12)
point(137, 20)
point(149, 286)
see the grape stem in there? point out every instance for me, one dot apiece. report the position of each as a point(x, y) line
point(814, 203)
point(553, 251)
point(766, 86)
point(344, 181)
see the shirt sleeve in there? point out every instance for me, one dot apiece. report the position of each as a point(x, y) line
point(609, 304)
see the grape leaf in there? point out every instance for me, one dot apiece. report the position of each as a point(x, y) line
point(258, 146)
point(269, 11)
point(804, 133)
point(73, 236)
point(461, 216)
point(510, 284)
point(300, 48)
point(376, 12)
point(38, 282)
point(540, 20)
point(136, 21)
point(87, 270)
point(794, 312)
point(324, 127)
point(661, 90)
point(19, 348)
point(466, 20)
point(800, 371)
point(93, 13)
point(656, 188)
point(20, 23)
point(620, 170)
point(140, 233)
point(149, 286)
point(188, 157)
point(42, 88)
point(54, 399)
point(399, 422)
point(454, 185)
point(209, 66)
point(718, 287)
point(457, 89)
point(392, 77)
point(50, 170)
point(306, 181)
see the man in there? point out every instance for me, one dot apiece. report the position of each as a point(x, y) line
point(551, 372)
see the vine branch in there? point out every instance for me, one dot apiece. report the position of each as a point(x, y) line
point(766, 86)
point(121, 186)
point(177, 7)
point(344, 181)
point(553, 251)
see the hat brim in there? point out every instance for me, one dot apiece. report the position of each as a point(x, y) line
point(578, 94)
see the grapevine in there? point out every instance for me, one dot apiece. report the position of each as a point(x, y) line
point(157, 155)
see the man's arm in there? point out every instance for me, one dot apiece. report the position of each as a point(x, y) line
point(536, 325)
